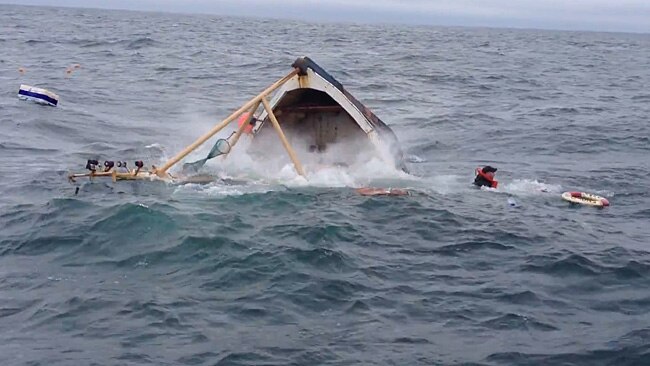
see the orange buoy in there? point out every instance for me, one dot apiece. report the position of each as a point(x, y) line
point(72, 68)
point(367, 191)
point(242, 119)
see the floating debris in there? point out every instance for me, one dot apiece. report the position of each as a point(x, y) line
point(585, 199)
point(71, 68)
point(38, 95)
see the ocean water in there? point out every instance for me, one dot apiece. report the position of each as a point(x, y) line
point(283, 271)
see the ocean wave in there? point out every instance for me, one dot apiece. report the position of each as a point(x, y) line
point(524, 298)
point(140, 43)
point(275, 268)
point(554, 111)
point(531, 187)
point(24, 148)
point(630, 349)
point(42, 244)
point(166, 69)
point(636, 307)
point(517, 322)
point(94, 43)
point(575, 264)
point(471, 246)
point(325, 295)
point(642, 98)
point(320, 258)
point(36, 41)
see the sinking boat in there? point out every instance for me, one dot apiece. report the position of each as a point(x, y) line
point(315, 118)
point(324, 122)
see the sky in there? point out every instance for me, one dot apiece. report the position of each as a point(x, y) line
point(595, 15)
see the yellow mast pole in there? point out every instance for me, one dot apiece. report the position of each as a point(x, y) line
point(163, 169)
point(283, 138)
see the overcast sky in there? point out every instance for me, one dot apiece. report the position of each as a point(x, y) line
point(597, 15)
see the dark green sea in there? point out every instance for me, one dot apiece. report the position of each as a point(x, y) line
point(286, 271)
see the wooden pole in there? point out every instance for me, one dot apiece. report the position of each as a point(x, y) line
point(242, 128)
point(163, 169)
point(283, 138)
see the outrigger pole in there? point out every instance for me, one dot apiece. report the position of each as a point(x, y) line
point(161, 172)
point(283, 138)
point(230, 142)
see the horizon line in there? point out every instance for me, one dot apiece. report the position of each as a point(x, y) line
point(328, 21)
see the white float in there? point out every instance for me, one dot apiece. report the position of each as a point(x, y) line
point(38, 95)
point(585, 199)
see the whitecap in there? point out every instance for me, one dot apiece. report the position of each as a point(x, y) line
point(529, 187)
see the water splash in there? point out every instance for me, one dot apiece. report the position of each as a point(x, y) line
point(526, 187)
point(415, 159)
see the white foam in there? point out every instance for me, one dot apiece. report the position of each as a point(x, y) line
point(320, 169)
point(529, 187)
point(276, 173)
point(605, 193)
point(438, 184)
point(415, 159)
point(451, 184)
point(219, 189)
point(447, 184)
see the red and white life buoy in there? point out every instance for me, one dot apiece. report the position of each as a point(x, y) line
point(585, 199)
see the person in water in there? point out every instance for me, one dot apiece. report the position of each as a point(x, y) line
point(485, 177)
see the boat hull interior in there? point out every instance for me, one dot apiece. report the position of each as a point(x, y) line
point(317, 127)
